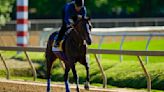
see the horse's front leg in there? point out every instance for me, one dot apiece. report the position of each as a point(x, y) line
point(75, 77)
point(85, 61)
point(86, 85)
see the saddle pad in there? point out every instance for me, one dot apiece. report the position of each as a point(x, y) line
point(60, 44)
point(57, 48)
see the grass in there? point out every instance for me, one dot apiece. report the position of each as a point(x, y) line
point(137, 45)
point(126, 74)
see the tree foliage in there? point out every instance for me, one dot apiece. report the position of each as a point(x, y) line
point(5, 10)
point(99, 8)
point(46, 8)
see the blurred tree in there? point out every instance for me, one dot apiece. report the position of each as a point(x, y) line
point(98, 8)
point(5, 10)
point(46, 8)
point(112, 8)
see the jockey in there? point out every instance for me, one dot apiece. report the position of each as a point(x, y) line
point(74, 8)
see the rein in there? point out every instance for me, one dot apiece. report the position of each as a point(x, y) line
point(79, 41)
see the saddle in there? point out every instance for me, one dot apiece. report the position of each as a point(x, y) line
point(61, 42)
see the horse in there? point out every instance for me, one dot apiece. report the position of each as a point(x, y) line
point(74, 50)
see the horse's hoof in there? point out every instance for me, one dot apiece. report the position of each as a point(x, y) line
point(78, 90)
point(86, 85)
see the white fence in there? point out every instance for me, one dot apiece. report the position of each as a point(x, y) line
point(149, 31)
point(39, 24)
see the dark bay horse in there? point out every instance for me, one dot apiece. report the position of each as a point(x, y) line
point(74, 50)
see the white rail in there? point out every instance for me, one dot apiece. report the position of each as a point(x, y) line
point(39, 24)
point(148, 31)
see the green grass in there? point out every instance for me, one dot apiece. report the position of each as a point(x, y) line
point(126, 74)
point(133, 45)
point(128, 45)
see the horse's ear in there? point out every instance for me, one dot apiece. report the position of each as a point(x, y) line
point(79, 17)
point(89, 21)
point(88, 18)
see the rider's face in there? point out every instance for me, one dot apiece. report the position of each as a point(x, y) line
point(78, 8)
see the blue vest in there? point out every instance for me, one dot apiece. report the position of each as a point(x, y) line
point(69, 10)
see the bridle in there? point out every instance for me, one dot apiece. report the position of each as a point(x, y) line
point(76, 24)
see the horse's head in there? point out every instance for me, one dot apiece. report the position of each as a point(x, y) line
point(83, 26)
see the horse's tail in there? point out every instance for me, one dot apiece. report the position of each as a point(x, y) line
point(49, 53)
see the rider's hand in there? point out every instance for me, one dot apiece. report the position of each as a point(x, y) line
point(70, 26)
point(79, 16)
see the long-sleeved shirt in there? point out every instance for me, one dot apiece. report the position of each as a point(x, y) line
point(69, 11)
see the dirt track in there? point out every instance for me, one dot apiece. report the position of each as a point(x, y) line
point(8, 38)
point(20, 86)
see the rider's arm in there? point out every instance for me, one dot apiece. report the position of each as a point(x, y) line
point(84, 11)
point(67, 15)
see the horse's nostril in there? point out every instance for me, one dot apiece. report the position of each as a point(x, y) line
point(89, 42)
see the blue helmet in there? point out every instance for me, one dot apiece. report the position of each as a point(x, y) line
point(79, 2)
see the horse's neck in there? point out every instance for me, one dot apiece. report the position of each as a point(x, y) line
point(75, 37)
point(73, 44)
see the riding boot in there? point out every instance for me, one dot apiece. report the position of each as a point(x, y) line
point(57, 42)
point(60, 36)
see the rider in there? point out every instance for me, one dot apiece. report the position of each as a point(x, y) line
point(74, 8)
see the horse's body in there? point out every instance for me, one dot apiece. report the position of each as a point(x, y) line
point(74, 50)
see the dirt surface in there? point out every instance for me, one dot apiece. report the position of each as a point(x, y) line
point(21, 86)
point(8, 38)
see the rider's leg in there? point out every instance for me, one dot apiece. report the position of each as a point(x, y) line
point(60, 35)
point(62, 30)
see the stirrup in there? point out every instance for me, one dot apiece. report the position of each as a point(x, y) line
point(56, 47)
point(56, 44)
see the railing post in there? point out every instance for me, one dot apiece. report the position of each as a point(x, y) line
point(102, 71)
point(136, 23)
point(32, 66)
point(7, 69)
point(146, 74)
point(100, 44)
point(121, 44)
point(156, 22)
point(116, 24)
point(147, 45)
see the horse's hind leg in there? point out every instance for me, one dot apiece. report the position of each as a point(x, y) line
point(49, 67)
